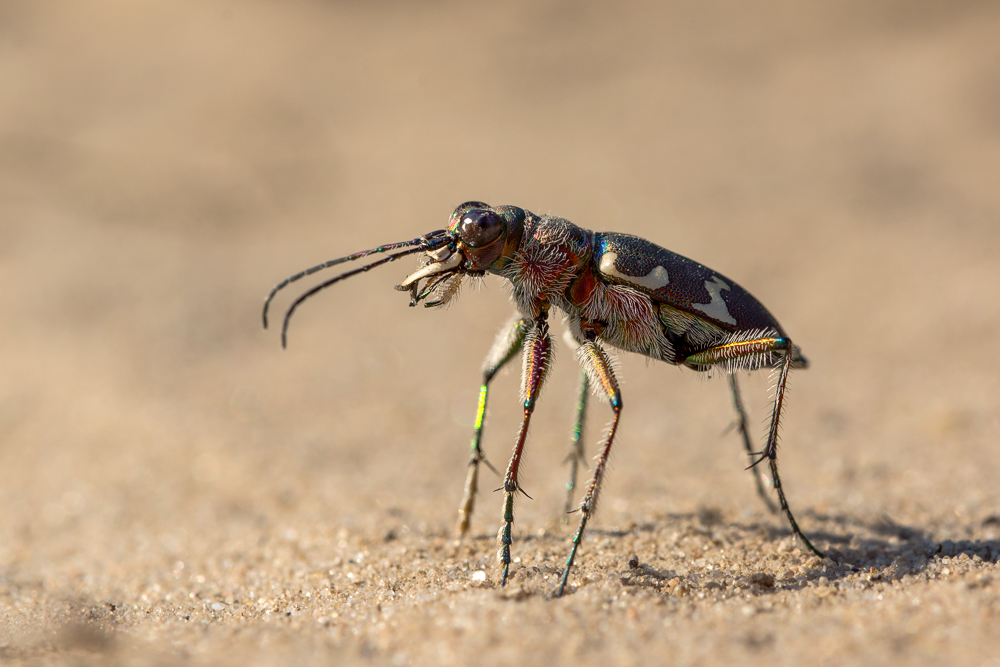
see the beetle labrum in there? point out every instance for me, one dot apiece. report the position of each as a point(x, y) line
point(614, 290)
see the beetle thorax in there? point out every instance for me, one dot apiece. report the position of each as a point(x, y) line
point(551, 253)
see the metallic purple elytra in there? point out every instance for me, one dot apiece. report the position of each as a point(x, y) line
point(692, 287)
point(613, 290)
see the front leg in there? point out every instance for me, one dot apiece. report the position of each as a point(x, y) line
point(537, 355)
point(506, 345)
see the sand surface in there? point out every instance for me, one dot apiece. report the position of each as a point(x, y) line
point(175, 489)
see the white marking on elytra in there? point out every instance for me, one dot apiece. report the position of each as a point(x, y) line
point(653, 280)
point(716, 308)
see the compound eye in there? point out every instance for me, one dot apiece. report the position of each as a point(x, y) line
point(480, 228)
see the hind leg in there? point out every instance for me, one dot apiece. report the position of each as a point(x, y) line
point(729, 355)
point(741, 424)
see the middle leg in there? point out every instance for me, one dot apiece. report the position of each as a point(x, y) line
point(575, 456)
point(597, 365)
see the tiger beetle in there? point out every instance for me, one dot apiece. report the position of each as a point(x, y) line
point(614, 290)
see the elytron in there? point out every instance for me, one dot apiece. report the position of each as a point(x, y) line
point(613, 290)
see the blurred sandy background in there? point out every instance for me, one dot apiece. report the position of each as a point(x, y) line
point(176, 489)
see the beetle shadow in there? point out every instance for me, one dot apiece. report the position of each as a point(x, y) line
point(885, 548)
point(893, 549)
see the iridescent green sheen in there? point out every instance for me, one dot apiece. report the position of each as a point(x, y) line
point(576, 443)
point(506, 347)
point(721, 353)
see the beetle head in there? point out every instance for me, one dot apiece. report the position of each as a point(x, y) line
point(479, 238)
point(487, 236)
point(482, 238)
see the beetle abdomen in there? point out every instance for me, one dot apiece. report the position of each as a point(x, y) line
point(679, 283)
